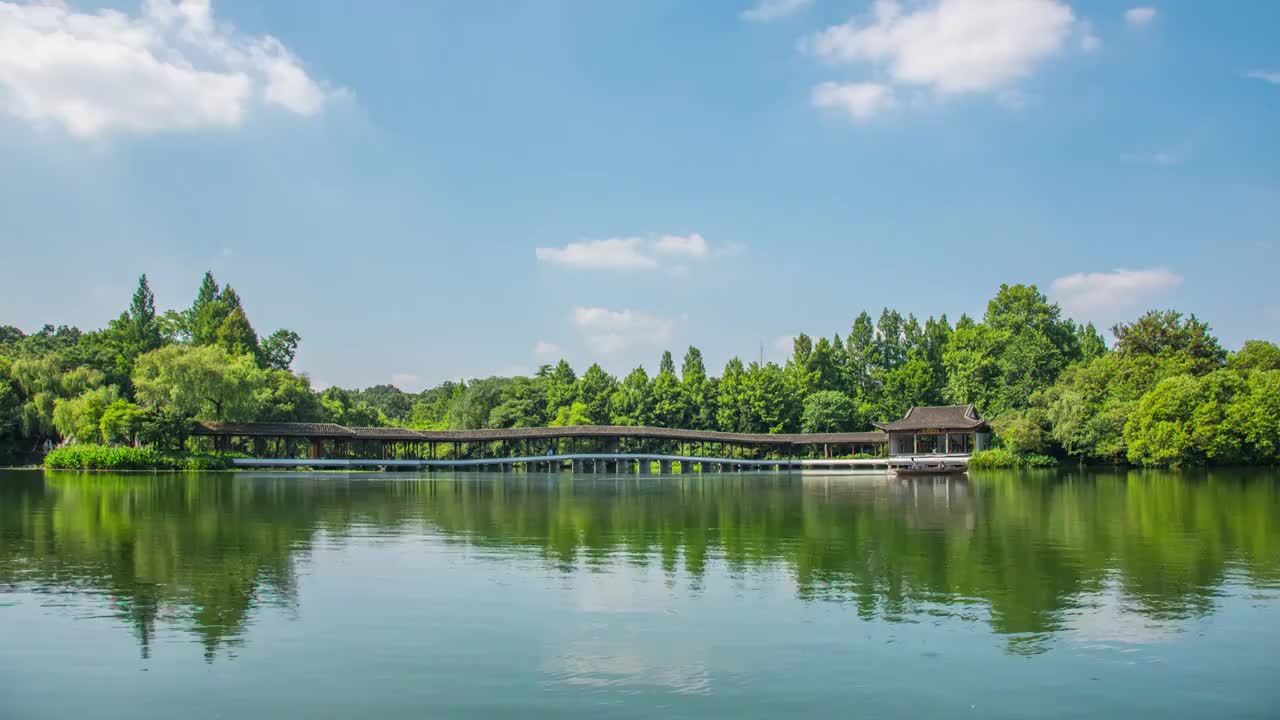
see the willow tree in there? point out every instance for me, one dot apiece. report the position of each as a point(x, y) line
point(205, 383)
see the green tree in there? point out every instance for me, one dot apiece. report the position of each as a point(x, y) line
point(829, 411)
point(826, 365)
point(632, 403)
point(972, 367)
point(1091, 344)
point(670, 405)
point(80, 417)
point(1255, 355)
point(121, 422)
point(343, 407)
point(205, 383)
point(523, 404)
point(1182, 421)
point(860, 351)
point(890, 342)
point(144, 332)
point(562, 388)
point(474, 402)
point(206, 313)
point(571, 415)
point(279, 349)
point(667, 364)
point(236, 335)
point(800, 375)
point(1024, 431)
point(1020, 348)
point(1168, 334)
point(733, 409)
point(911, 383)
point(771, 408)
point(595, 389)
point(1252, 417)
point(137, 330)
point(285, 397)
point(698, 391)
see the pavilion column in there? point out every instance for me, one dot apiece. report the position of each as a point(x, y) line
point(915, 443)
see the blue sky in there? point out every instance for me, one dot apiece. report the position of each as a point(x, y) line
point(429, 190)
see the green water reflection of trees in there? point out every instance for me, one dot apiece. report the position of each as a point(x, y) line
point(1022, 551)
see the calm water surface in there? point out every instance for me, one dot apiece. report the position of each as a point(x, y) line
point(743, 596)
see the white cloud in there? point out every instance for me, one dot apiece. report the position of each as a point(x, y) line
point(785, 344)
point(608, 254)
point(1085, 295)
point(951, 47)
point(407, 382)
point(860, 101)
point(546, 348)
point(692, 245)
point(769, 10)
point(1271, 76)
point(172, 66)
point(1139, 16)
point(608, 331)
point(626, 253)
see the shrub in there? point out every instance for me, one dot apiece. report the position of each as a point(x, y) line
point(1033, 460)
point(995, 459)
point(98, 457)
point(1003, 458)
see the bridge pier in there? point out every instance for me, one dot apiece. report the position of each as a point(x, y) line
point(577, 467)
point(644, 466)
point(664, 467)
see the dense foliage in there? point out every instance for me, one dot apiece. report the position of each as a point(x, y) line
point(1166, 394)
point(140, 381)
point(119, 457)
point(1006, 459)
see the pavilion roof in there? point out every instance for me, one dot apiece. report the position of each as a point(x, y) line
point(943, 417)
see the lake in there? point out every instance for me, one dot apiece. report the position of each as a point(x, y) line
point(1003, 595)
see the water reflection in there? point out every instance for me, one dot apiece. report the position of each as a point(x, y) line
point(1103, 558)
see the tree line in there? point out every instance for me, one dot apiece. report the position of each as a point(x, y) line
point(1165, 392)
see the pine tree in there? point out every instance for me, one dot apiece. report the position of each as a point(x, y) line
point(144, 331)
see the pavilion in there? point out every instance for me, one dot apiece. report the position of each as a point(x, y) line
point(942, 430)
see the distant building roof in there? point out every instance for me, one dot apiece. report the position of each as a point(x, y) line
point(943, 417)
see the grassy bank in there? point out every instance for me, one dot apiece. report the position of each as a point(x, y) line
point(101, 457)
